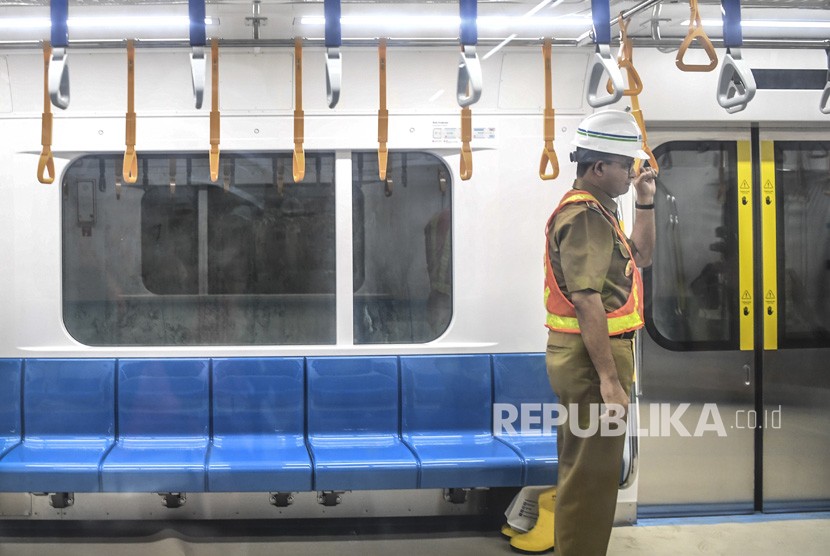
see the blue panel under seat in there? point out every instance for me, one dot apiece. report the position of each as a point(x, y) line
point(10, 426)
point(163, 427)
point(69, 420)
point(521, 380)
point(258, 426)
point(353, 425)
point(446, 418)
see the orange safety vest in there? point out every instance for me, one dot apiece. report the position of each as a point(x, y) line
point(561, 312)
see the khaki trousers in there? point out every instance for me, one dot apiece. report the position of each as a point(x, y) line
point(589, 468)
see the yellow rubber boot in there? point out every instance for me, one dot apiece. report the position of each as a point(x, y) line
point(509, 532)
point(540, 538)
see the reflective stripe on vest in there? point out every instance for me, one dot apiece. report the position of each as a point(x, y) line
point(561, 313)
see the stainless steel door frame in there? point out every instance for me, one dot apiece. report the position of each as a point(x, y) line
point(796, 383)
point(699, 470)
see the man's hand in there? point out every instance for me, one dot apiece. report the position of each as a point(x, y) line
point(645, 185)
point(612, 393)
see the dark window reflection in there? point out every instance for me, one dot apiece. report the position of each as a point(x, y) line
point(177, 260)
point(402, 249)
point(803, 187)
point(695, 270)
point(170, 241)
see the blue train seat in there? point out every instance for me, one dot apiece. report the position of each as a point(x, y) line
point(163, 427)
point(69, 417)
point(522, 379)
point(10, 373)
point(258, 426)
point(447, 416)
point(353, 426)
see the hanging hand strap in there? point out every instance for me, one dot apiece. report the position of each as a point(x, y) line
point(46, 163)
point(603, 63)
point(59, 68)
point(214, 110)
point(824, 105)
point(299, 156)
point(198, 40)
point(466, 137)
point(334, 63)
point(383, 113)
point(548, 154)
point(736, 84)
point(696, 32)
point(469, 86)
point(625, 61)
point(130, 167)
point(641, 122)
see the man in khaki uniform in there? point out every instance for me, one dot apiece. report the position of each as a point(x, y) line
point(594, 299)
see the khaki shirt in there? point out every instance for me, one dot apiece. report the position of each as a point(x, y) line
point(586, 254)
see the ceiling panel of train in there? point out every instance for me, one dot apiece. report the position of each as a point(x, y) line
point(820, 4)
point(568, 21)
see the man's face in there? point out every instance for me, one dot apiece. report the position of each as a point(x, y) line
point(615, 174)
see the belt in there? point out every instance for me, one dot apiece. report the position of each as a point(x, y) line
point(625, 335)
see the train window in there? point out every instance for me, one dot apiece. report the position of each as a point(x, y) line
point(178, 260)
point(693, 279)
point(802, 171)
point(403, 262)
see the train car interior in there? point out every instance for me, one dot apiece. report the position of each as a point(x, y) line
point(276, 266)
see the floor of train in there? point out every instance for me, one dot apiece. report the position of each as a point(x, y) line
point(762, 534)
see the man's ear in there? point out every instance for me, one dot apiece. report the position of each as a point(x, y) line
point(598, 167)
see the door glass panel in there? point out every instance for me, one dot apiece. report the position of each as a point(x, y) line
point(693, 279)
point(803, 185)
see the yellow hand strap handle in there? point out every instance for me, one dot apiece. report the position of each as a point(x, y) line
point(130, 167)
point(638, 115)
point(46, 163)
point(383, 113)
point(214, 109)
point(625, 61)
point(466, 137)
point(696, 32)
point(548, 154)
point(298, 162)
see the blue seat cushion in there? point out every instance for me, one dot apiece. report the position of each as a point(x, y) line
point(465, 460)
point(363, 463)
point(258, 396)
point(69, 417)
point(259, 463)
point(521, 383)
point(164, 415)
point(155, 465)
point(10, 373)
point(7, 443)
point(539, 455)
point(53, 465)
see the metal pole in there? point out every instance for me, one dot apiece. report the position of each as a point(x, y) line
point(423, 43)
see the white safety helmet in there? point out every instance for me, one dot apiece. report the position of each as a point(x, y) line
point(612, 132)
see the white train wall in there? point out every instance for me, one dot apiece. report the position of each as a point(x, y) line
point(498, 215)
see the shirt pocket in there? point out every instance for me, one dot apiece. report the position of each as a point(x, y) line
point(622, 250)
point(621, 266)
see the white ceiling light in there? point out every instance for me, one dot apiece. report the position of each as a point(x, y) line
point(768, 24)
point(129, 22)
point(450, 22)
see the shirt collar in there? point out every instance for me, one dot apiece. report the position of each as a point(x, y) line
point(604, 199)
